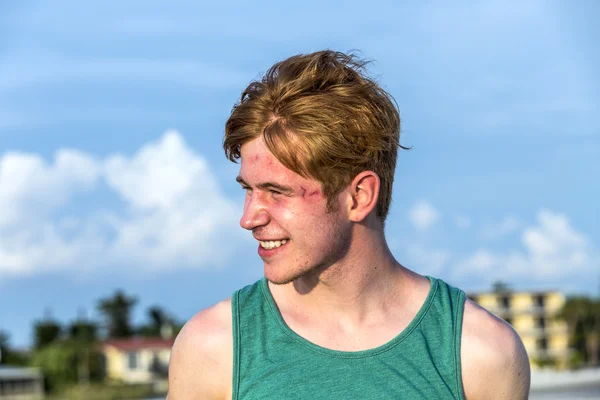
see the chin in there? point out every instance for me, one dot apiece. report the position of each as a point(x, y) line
point(279, 279)
point(281, 275)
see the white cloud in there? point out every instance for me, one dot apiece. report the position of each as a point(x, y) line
point(47, 246)
point(554, 246)
point(423, 215)
point(30, 188)
point(552, 251)
point(159, 174)
point(507, 226)
point(479, 262)
point(176, 214)
point(177, 208)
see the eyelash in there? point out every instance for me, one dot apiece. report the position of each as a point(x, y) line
point(271, 191)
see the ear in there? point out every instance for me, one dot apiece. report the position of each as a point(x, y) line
point(364, 190)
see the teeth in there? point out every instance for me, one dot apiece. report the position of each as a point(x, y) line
point(271, 244)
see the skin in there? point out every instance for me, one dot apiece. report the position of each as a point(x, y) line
point(336, 284)
point(280, 204)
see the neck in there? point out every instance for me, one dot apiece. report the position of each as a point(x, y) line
point(364, 283)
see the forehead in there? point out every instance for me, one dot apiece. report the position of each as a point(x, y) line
point(258, 164)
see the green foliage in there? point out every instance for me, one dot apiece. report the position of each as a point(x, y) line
point(582, 314)
point(4, 346)
point(9, 356)
point(15, 358)
point(62, 363)
point(46, 332)
point(69, 356)
point(160, 324)
point(57, 361)
point(500, 287)
point(575, 361)
point(116, 311)
point(543, 362)
point(84, 331)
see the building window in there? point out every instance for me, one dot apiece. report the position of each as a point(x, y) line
point(540, 323)
point(505, 302)
point(539, 301)
point(132, 360)
point(542, 344)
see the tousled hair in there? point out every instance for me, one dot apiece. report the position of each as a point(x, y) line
point(323, 118)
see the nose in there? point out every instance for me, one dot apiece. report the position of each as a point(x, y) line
point(255, 212)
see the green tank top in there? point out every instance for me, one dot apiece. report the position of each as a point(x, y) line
point(270, 361)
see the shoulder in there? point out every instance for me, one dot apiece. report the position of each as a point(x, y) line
point(494, 362)
point(201, 361)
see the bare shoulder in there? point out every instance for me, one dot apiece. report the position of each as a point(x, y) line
point(494, 362)
point(201, 361)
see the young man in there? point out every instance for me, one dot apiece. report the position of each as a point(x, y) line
point(336, 316)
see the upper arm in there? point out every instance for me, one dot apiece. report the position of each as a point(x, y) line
point(494, 361)
point(201, 361)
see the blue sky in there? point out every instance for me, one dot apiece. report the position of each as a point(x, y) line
point(112, 173)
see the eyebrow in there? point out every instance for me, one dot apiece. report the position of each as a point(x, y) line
point(267, 185)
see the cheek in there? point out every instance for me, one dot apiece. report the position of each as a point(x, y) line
point(303, 222)
point(290, 217)
point(300, 209)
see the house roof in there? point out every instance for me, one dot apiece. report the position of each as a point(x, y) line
point(139, 343)
point(19, 373)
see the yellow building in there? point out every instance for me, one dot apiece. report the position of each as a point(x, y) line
point(138, 360)
point(534, 316)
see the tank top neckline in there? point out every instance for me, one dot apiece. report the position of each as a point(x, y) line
point(276, 315)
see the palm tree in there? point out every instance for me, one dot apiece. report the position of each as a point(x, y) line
point(117, 314)
point(582, 315)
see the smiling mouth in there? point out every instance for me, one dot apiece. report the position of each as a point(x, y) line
point(272, 244)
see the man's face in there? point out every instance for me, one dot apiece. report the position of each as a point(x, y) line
point(288, 215)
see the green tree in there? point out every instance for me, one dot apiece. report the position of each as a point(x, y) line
point(116, 312)
point(160, 323)
point(582, 315)
point(500, 287)
point(57, 362)
point(66, 362)
point(83, 335)
point(83, 330)
point(4, 347)
point(10, 356)
point(46, 331)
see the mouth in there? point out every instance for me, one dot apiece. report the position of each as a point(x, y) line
point(272, 244)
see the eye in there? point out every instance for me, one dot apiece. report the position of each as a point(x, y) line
point(275, 193)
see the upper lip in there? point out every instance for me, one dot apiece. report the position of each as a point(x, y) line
point(269, 240)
